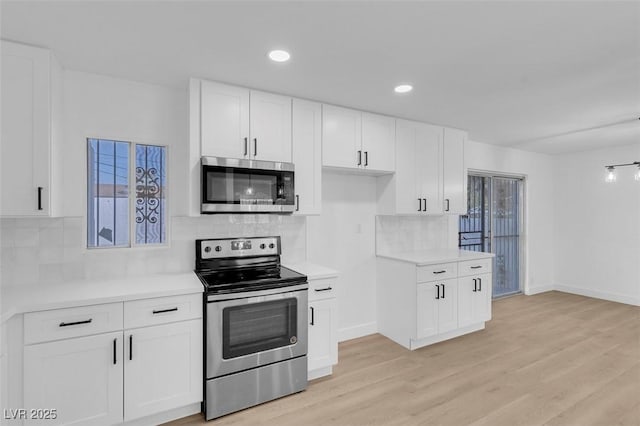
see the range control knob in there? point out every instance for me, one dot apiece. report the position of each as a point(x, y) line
point(207, 249)
point(263, 246)
point(271, 245)
point(218, 248)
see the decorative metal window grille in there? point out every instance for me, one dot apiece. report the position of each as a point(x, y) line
point(150, 190)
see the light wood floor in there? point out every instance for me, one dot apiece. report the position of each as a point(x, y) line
point(549, 359)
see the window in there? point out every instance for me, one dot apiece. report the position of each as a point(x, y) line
point(110, 202)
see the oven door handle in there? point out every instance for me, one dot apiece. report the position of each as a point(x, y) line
point(259, 293)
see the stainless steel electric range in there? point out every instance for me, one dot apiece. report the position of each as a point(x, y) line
point(255, 323)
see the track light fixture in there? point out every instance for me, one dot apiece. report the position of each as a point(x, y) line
point(611, 171)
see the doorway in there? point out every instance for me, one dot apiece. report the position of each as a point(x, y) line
point(494, 223)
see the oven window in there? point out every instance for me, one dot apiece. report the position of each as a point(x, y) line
point(258, 327)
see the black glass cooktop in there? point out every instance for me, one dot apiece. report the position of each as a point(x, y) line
point(248, 279)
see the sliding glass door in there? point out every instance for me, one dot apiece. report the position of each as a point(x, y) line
point(493, 223)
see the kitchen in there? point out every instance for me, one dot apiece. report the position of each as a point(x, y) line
point(99, 85)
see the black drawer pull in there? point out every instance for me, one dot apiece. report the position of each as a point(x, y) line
point(476, 267)
point(439, 272)
point(67, 324)
point(324, 289)
point(162, 311)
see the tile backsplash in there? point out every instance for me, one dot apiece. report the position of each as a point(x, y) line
point(410, 233)
point(53, 250)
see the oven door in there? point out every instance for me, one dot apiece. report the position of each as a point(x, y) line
point(235, 185)
point(249, 332)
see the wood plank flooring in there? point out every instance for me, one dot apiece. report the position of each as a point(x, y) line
point(549, 359)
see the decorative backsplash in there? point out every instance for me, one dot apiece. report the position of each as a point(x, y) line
point(410, 233)
point(53, 250)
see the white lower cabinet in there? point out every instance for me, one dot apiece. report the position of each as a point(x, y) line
point(437, 310)
point(80, 378)
point(162, 368)
point(474, 299)
point(322, 351)
point(105, 375)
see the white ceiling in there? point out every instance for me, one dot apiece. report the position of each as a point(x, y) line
point(509, 72)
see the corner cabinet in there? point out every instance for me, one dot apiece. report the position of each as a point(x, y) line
point(109, 363)
point(307, 156)
point(421, 305)
point(455, 175)
point(31, 123)
point(357, 140)
point(236, 122)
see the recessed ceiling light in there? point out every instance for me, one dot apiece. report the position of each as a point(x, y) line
point(279, 55)
point(403, 88)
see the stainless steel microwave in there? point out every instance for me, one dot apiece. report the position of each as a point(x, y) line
point(246, 186)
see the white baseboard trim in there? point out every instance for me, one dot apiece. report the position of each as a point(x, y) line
point(539, 289)
point(166, 416)
point(613, 297)
point(356, 331)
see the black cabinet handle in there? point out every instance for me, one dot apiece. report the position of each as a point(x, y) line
point(447, 208)
point(475, 285)
point(297, 203)
point(366, 158)
point(313, 322)
point(246, 144)
point(359, 158)
point(479, 284)
point(40, 197)
point(67, 324)
point(476, 267)
point(162, 311)
point(115, 359)
point(419, 204)
point(324, 289)
point(130, 347)
point(439, 272)
point(437, 291)
point(425, 204)
point(442, 290)
point(255, 147)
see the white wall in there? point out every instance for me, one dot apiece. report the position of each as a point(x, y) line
point(539, 210)
point(597, 231)
point(343, 238)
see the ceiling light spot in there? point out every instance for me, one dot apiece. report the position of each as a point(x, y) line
point(279, 55)
point(403, 88)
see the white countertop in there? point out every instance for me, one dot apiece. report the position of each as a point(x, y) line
point(29, 298)
point(432, 257)
point(313, 271)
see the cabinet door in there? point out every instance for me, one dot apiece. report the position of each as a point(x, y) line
point(378, 142)
point(482, 300)
point(467, 301)
point(81, 378)
point(408, 194)
point(26, 136)
point(224, 120)
point(307, 155)
point(429, 167)
point(341, 137)
point(427, 310)
point(448, 306)
point(323, 342)
point(270, 126)
point(455, 176)
point(163, 368)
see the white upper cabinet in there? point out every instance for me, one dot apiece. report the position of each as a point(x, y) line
point(236, 122)
point(224, 120)
point(355, 140)
point(31, 94)
point(416, 187)
point(378, 142)
point(270, 127)
point(455, 176)
point(307, 156)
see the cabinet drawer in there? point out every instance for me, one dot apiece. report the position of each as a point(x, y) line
point(438, 272)
point(322, 288)
point(474, 267)
point(161, 310)
point(65, 323)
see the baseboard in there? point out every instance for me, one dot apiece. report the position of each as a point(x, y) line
point(539, 289)
point(356, 331)
point(613, 297)
point(166, 416)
